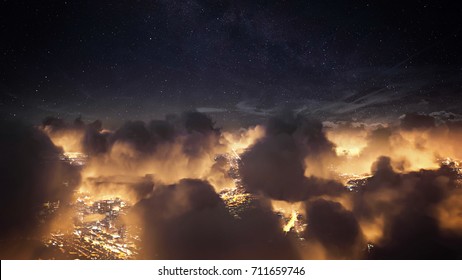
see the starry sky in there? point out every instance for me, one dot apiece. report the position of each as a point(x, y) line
point(239, 61)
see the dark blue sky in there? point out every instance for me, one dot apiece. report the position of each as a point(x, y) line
point(236, 60)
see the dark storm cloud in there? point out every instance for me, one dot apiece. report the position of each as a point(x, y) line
point(202, 134)
point(382, 170)
point(144, 137)
point(335, 228)
point(198, 130)
point(57, 124)
point(407, 203)
point(275, 165)
point(31, 174)
point(90, 138)
point(189, 221)
point(199, 122)
point(162, 130)
point(95, 141)
point(137, 134)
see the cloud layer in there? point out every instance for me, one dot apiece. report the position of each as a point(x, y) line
point(174, 173)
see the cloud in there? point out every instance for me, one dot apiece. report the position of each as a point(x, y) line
point(405, 206)
point(335, 228)
point(180, 146)
point(276, 164)
point(173, 170)
point(415, 141)
point(417, 121)
point(188, 220)
point(31, 174)
point(209, 110)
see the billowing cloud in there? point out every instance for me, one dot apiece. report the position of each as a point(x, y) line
point(31, 175)
point(415, 141)
point(277, 164)
point(335, 228)
point(405, 209)
point(188, 220)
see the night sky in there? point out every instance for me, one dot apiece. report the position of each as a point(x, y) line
point(238, 61)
